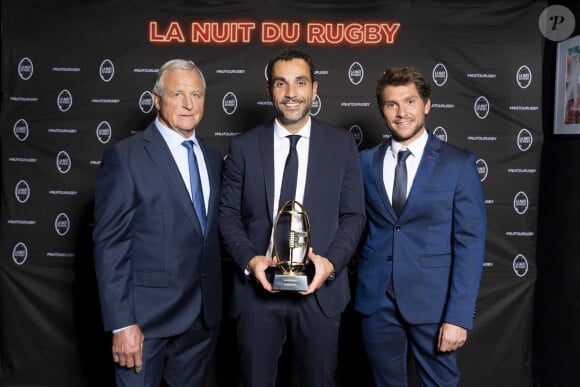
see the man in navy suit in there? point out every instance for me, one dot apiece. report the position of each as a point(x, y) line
point(420, 268)
point(330, 187)
point(157, 265)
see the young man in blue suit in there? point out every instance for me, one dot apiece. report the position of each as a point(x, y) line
point(330, 187)
point(422, 256)
point(157, 250)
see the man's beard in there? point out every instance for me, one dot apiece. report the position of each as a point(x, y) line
point(289, 120)
point(400, 138)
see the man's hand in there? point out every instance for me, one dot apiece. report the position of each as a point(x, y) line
point(323, 268)
point(451, 337)
point(128, 347)
point(258, 266)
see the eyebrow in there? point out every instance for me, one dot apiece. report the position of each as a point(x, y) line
point(404, 99)
point(298, 78)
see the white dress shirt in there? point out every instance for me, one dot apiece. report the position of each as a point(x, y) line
point(281, 149)
point(179, 152)
point(390, 162)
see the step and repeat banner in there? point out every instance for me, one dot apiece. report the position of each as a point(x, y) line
point(77, 77)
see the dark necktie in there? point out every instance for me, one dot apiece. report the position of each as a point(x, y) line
point(195, 182)
point(400, 185)
point(288, 189)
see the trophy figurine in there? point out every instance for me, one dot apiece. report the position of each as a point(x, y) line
point(291, 245)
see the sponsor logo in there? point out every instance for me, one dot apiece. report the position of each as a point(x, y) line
point(146, 102)
point(106, 70)
point(316, 106)
point(525, 140)
point(229, 103)
point(357, 134)
point(63, 162)
point(440, 133)
point(521, 203)
point(481, 107)
point(481, 75)
point(556, 23)
point(482, 169)
point(524, 77)
point(64, 100)
point(19, 253)
point(20, 129)
point(439, 74)
point(520, 265)
point(104, 132)
point(25, 69)
point(22, 191)
point(356, 73)
point(62, 224)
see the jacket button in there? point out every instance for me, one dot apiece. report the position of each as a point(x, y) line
point(389, 258)
point(397, 227)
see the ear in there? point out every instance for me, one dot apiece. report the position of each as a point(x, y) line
point(269, 91)
point(314, 90)
point(427, 106)
point(156, 101)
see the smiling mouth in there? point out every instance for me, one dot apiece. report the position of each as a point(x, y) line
point(291, 103)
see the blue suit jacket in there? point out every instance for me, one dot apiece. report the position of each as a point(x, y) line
point(436, 245)
point(333, 199)
point(154, 267)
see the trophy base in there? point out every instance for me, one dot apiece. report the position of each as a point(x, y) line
point(290, 282)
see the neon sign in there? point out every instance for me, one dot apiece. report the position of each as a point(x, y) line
point(270, 32)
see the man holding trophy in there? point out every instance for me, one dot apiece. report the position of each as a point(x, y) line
point(291, 216)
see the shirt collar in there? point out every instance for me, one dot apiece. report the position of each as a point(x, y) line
point(171, 137)
point(416, 147)
point(280, 132)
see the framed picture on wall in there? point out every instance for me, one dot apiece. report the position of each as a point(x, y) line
point(567, 99)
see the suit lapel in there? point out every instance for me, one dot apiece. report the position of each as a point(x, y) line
point(266, 162)
point(318, 149)
point(427, 165)
point(315, 152)
point(378, 163)
point(214, 182)
point(161, 156)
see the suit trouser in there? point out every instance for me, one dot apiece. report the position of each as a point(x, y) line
point(180, 361)
point(266, 323)
point(387, 337)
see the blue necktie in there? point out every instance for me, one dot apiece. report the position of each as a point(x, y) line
point(400, 185)
point(288, 189)
point(195, 182)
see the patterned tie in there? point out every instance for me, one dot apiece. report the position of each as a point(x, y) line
point(195, 182)
point(288, 189)
point(400, 185)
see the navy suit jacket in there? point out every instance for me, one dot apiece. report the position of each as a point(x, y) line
point(436, 245)
point(154, 267)
point(333, 199)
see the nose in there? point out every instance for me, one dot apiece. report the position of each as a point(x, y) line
point(291, 91)
point(401, 110)
point(187, 101)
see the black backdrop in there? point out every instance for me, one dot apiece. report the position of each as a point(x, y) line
point(75, 79)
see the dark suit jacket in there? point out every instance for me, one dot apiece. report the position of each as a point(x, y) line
point(333, 199)
point(153, 265)
point(437, 244)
